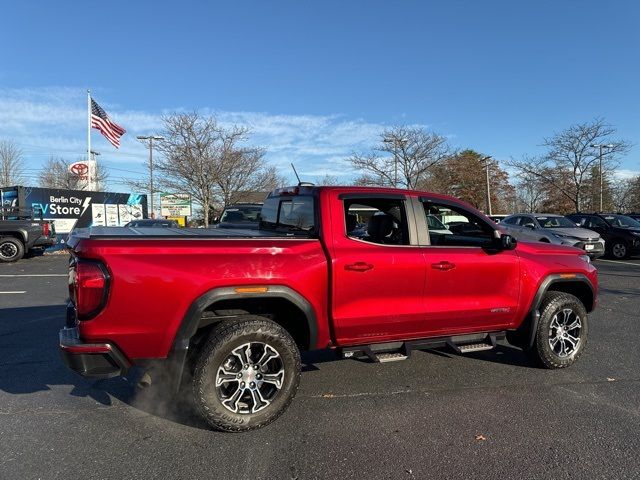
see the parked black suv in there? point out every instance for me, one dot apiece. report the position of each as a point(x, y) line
point(240, 215)
point(620, 232)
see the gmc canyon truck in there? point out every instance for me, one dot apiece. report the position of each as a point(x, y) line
point(22, 232)
point(226, 313)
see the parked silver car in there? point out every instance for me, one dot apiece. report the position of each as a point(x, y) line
point(540, 227)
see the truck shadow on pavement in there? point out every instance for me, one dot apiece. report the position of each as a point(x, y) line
point(30, 363)
point(29, 357)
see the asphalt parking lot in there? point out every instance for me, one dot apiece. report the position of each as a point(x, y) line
point(437, 415)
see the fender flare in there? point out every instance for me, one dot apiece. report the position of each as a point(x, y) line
point(191, 320)
point(19, 234)
point(534, 311)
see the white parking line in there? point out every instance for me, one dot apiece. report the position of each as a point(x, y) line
point(8, 293)
point(618, 261)
point(37, 275)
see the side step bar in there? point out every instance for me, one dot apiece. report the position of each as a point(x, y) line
point(396, 351)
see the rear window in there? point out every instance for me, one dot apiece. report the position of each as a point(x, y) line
point(288, 214)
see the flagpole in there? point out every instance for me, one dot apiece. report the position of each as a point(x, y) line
point(88, 125)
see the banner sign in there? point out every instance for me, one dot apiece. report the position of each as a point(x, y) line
point(71, 209)
point(175, 204)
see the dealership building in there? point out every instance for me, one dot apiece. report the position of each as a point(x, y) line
point(70, 209)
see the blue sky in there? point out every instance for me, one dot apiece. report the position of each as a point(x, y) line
point(316, 80)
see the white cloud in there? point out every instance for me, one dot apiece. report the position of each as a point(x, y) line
point(627, 174)
point(52, 121)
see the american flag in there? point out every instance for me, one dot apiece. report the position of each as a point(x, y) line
point(100, 121)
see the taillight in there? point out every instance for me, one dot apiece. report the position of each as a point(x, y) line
point(45, 229)
point(88, 287)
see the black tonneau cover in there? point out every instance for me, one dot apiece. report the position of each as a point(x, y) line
point(132, 233)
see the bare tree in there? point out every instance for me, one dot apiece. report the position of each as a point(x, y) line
point(624, 193)
point(205, 160)
point(530, 191)
point(11, 169)
point(329, 180)
point(570, 159)
point(403, 157)
point(56, 174)
point(241, 170)
point(634, 194)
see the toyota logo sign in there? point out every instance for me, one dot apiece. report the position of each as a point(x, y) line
point(80, 168)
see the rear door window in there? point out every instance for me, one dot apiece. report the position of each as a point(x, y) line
point(377, 220)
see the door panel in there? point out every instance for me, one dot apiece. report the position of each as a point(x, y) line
point(378, 277)
point(378, 292)
point(471, 285)
point(480, 291)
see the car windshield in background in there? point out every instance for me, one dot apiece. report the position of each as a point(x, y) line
point(241, 214)
point(621, 221)
point(288, 214)
point(555, 222)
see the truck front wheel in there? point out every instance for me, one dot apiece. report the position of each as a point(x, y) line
point(246, 375)
point(561, 334)
point(11, 249)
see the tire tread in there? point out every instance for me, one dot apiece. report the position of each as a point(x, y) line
point(539, 352)
point(225, 333)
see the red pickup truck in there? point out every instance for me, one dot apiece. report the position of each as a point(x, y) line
point(354, 269)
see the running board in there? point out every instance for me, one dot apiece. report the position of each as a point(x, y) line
point(397, 351)
point(488, 343)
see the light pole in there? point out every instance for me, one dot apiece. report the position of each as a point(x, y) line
point(601, 146)
point(488, 190)
point(395, 141)
point(151, 138)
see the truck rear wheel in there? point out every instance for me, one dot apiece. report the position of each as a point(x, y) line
point(246, 375)
point(561, 335)
point(11, 249)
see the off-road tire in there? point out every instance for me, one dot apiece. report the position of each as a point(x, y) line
point(222, 340)
point(541, 352)
point(14, 249)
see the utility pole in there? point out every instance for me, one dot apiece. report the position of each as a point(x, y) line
point(395, 142)
point(93, 172)
point(151, 138)
point(601, 147)
point(488, 189)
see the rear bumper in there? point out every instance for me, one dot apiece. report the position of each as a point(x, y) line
point(45, 242)
point(96, 360)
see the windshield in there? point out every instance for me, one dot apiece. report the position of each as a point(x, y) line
point(555, 222)
point(621, 221)
point(434, 223)
point(248, 213)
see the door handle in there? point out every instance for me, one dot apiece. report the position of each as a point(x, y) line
point(358, 267)
point(443, 266)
